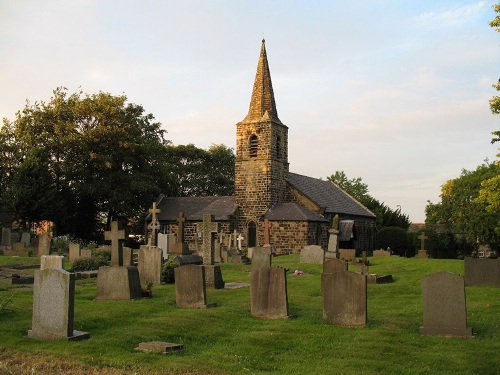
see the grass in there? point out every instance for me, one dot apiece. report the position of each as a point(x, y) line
point(228, 340)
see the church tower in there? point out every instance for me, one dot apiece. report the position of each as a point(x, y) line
point(261, 165)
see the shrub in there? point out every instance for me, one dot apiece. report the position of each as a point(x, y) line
point(395, 238)
point(98, 259)
point(61, 244)
point(168, 273)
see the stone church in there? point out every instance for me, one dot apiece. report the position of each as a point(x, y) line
point(298, 208)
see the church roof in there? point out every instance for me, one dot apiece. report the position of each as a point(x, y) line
point(223, 208)
point(329, 195)
point(262, 104)
point(291, 212)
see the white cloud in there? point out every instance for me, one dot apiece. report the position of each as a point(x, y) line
point(450, 16)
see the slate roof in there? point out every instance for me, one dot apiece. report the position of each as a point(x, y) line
point(291, 212)
point(329, 195)
point(194, 208)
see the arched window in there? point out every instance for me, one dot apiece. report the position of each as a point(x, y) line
point(278, 146)
point(252, 234)
point(254, 143)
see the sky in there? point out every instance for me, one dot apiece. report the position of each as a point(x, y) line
point(395, 92)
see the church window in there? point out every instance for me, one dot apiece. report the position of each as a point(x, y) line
point(278, 146)
point(254, 143)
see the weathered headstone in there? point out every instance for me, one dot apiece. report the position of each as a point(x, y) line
point(482, 272)
point(213, 274)
point(444, 309)
point(217, 249)
point(19, 246)
point(51, 261)
point(189, 259)
point(150, 263)
point(159, 346)
point(53, 306)
point(128, 256)
point(333, 241)
point(268, 293)
point(26, 238)
point(86, 253)
point(180, 248)
point(381, 253)
point(116, 236)
point(44, 244)
point(261, 257)
point(240, 239)
point(118, 283)
point(312, 254)
point(334, 265)
point(6, 237)
point(163, 244)
point(74, 251)
point(344, 298)
point(347, 254)
point(190, 290)
point(422, 253)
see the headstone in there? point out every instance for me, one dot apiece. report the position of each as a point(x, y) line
point(6, 237)
point(189, 259)
point(163, 244)
point(312, 254)
point(240, 239)
point(118, 283)
point(444, 310)
point(154, 226)
point(268, 293)
point(150, 264)
point(347, 254)
point(344, 298)
point(19, 246)
point(364, 257)
point(333, 241)
point(51, 261)
point(381, 253)
point(74, 251)
point(190, 290)
point(86, 253)
point(363, 269)
point(261, 257)
point(116, 237)
point(213, 277)
point(26, 238)
point(128, 256)
point(217, 249)
point(159, 346)
point(180, 248)
point(44, 244)
point(53, 306)
point(208, 227)
point(334, 265)
point(482, 272)
point(223, 254)
point(422, 253)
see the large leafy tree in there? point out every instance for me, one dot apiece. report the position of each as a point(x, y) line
point(102, 157)
point(386, 217)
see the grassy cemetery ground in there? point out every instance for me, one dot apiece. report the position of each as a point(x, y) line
point(228, 340)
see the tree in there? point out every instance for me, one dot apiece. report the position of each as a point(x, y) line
point(102, 156)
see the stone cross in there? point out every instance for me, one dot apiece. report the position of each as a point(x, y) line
point(180, 227)
point(267, 227)
point(208, 227)
point(154, 225)
point(116, 237)
point(422, 239)
point(239, 239)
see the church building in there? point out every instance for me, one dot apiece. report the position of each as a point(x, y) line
point(299, 209)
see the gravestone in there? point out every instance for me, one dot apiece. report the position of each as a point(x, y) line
point(18, 246)
point(150, 264)
point(240, 239)
point(213, 274)
point(86, 253)
point(381, 253)
point(333, 240)
point(344, 298)
point(163, 244)
point(482, 272)
point(261, 259)
point(422, 253)
point(334, 265)
point(118, 283)
point(312, 254)
point(347, 254)
point(217, 249)
point(223, 254)
point(116, 237)
point(6, 237)
point(268, 293)
point(180, 248)
point(154, 226)
point(74, 251)
point(444, 309)
point(159, 346)
point(190, 289)
point(128, 256)
point(364, 257)
point(51, 261)
point(53, 306)
point(26, 238)
point(44, 244)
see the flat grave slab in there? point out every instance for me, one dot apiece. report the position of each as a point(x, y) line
point(160, 347)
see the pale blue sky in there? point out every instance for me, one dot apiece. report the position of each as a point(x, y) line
point(394, 92)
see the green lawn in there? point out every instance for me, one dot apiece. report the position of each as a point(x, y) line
point(228, 340)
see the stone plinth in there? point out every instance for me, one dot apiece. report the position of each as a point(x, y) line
point(159, 346)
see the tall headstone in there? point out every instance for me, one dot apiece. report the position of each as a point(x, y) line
point(116, 236)
point(74, 251)
point(154, 226)
point(344, 298)
point(268, 293)
point(118, 283)
point(51, 261)
point(312, 254)
point(482, 272)
point(333, 241)
point(180, 248)
point(26, 238)
point(53, 306)
point(44, 244)
point(6, 237)
point(444, 309)
point(213, 274)
point(150, 264)
point(163, 244)
point(128, 256)
point(190, 289)
point(422, 253)
point(261, 257)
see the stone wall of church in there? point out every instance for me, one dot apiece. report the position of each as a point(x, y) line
point(191, 235)
point(289, 237)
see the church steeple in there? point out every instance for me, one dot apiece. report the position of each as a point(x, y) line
point(262, 104)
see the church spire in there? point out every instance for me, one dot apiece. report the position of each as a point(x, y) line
point(262, 104)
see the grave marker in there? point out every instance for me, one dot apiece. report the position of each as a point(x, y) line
point(150, 264)
point(44, 244)
point(116, 237)
point(190, 290)
point(268, 293)
point(74, 251)
point(422, 253)
point(51, 261)
point(313, 254)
